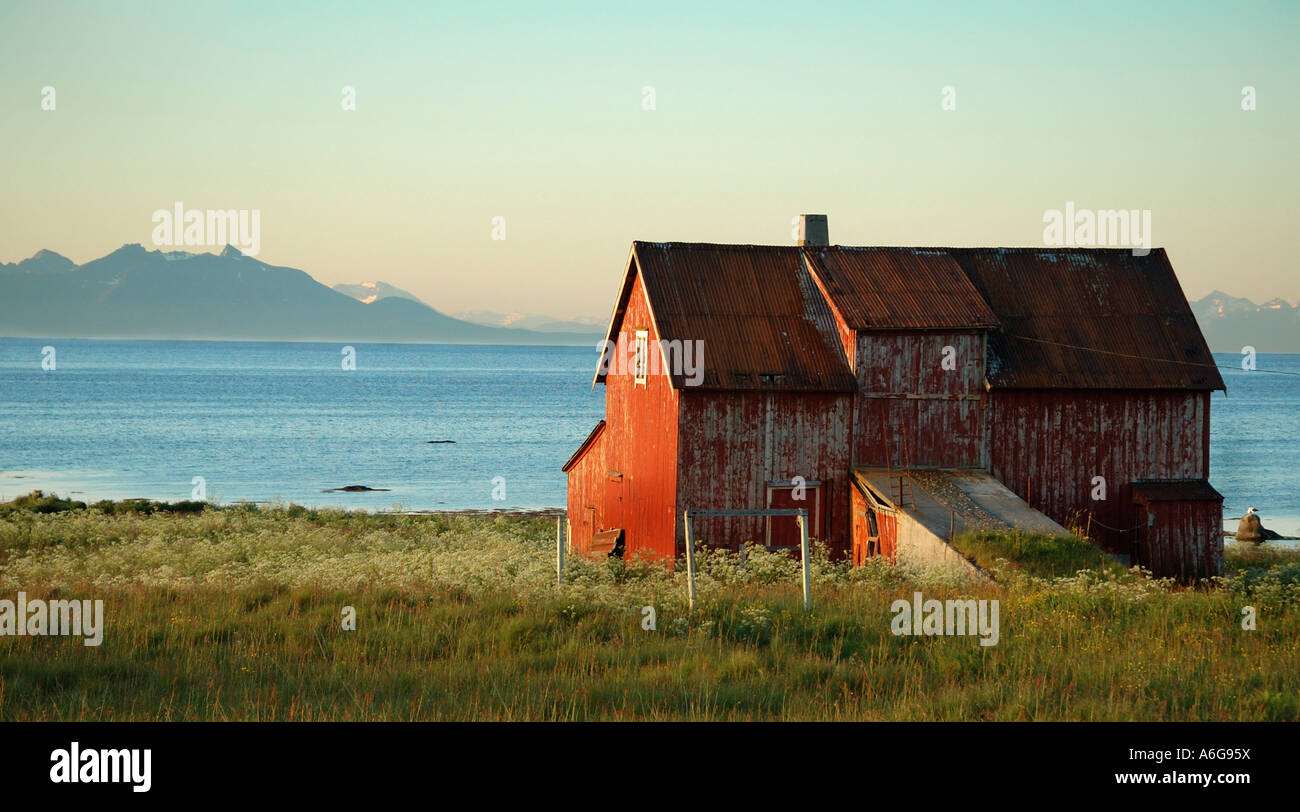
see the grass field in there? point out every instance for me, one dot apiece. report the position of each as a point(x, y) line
point(235, 613)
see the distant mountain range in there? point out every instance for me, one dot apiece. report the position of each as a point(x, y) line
point(368, 292)
point(138, 293)
point(533, 321)
point(1230, 323)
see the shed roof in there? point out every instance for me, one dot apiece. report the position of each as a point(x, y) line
point(762, 320)
point(1096, 318)
point(1176, 490)
point(956, 500)
point(899, 288)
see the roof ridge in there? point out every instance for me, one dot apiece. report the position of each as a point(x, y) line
point(1028, 249)
point(719, 245)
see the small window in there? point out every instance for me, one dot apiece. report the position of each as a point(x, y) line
point(641, 359)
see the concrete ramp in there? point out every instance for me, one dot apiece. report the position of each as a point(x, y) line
point(932, 506)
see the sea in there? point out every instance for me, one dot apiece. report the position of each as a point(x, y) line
point(436, 426)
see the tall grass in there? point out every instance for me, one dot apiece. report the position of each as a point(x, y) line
point(1044, 556)
point(235, 614)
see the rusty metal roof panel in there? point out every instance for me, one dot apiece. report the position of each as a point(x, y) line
point(1088, 319)
point(1057, 318)
point(763, 322)
point(900, 288)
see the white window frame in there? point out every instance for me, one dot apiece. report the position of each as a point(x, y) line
point(641, 357)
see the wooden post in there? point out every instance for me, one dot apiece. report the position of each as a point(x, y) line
point(952, 522)
point(559, 551)
point(803, 549)
point(690, 561)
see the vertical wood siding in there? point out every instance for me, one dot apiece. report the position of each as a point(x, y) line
point(631, 478)
point(1047, 445)
point(886, 525)
point(586, 508)
point(733, 443)
point(1182, 540)
point(945, 430)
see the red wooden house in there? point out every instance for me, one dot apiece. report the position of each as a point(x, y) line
point(892, 390)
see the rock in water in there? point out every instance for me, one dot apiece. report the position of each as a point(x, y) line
point(1250, 528)
point(353, 489)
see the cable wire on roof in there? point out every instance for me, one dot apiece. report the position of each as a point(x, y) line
point(1145, 357)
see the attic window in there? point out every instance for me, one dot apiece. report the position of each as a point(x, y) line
point(641, 359)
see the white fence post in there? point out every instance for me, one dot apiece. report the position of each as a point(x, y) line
point(690, 561)
point(800, 515)
point(803, 549)
point(559, 551)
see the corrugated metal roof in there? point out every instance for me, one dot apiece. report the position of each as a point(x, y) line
point(1176, 490)
point(1065, 318)
point(763, 322)
point(1088, 319)
point(899, 288)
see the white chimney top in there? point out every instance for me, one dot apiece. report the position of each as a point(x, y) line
point(813, 230)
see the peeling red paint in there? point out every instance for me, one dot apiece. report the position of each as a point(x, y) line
point(1048, 445)
point(733, 444)
point(911, 412)
point(821, 361)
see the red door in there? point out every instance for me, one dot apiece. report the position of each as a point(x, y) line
point(783, 531)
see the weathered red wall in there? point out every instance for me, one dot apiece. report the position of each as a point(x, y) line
point(859, 530)
point(731, 444)
point(886, 525)
point(1185, 541)
point(586, 495)
point(640, 443)
point(1059, 440)
point(943, 430)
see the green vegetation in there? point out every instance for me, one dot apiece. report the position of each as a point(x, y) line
point(234, 613)
point(1043, 556)
point(40, 502)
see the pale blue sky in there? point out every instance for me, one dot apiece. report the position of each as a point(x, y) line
point(468, 111)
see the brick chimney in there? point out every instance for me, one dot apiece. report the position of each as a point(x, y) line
point(813, 230)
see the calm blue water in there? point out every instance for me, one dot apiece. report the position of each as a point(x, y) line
point(1255, 440)
point(261, 421)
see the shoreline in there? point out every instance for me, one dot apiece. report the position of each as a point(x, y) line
point(399, 509)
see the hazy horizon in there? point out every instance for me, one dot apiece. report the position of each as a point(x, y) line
point(761, 112)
